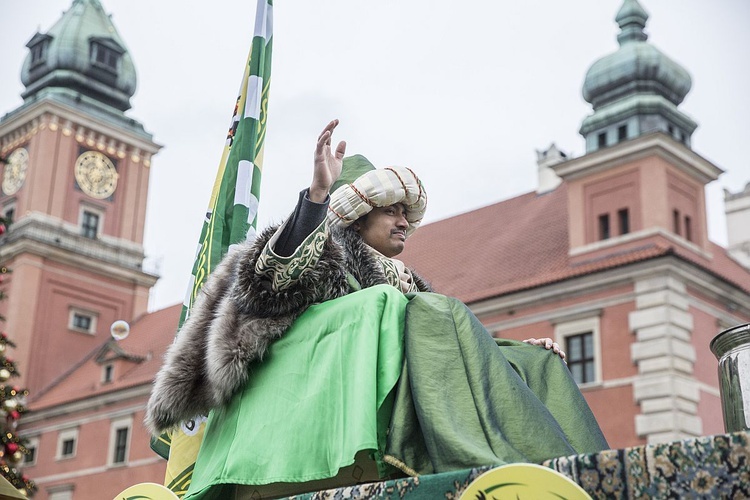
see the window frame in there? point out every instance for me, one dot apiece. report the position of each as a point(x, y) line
point(77, 311)
point(622, 133)
point(122, 423)
point(105, 57)
point(571, 328)
point(64, 436)
point(623, 221)
point(9, 207)
point(85, 227)
point(32, 444)
point(604, 227)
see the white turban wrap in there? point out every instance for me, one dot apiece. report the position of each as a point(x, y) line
point(381, 187)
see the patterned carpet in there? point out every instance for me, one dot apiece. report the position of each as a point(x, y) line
point(706, 467)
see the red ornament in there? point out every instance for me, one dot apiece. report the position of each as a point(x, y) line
point(11, 447)
point(2, 229)
point(14, 415)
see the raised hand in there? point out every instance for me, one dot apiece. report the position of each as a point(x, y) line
point(327, 164)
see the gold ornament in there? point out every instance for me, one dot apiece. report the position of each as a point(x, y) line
point(17, 456)
point(4, 374)
point(15, 171)
point(96, 174)
point(2, 347)
point(10, 404)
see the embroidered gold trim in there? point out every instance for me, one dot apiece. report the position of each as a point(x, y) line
point(284, 271)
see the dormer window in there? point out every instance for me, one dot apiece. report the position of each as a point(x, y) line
point(108, 373)
point(38, 53)
point(38, 46)
point(105, 54)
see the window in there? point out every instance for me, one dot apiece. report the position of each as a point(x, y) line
point(676, 222)
point(670, 129)
point(38, 47)
point(108, 373)
point(119, 440)
point(602, 139)
point(32, 445)
point(580, 355)
point(83, 321)
point(121, 444)
point(622, 133)
point(688, 228)
point(604, 227)
point(581, 341)
point(104, 56)
point(623, 217)
point(61, 492)
point(66, 443)
point(90, 224)
point(38, 53)
point(10, 214)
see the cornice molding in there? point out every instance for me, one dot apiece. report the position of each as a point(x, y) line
point(660, 144)
point(58, 117)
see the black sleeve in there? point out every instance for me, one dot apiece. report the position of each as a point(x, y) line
point(306, 217)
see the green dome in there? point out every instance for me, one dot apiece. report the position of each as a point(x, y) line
point(636, 68)
point(83, 53)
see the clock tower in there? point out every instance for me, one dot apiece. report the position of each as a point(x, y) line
point(75, 185)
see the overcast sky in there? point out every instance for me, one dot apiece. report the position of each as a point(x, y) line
point(462, 92)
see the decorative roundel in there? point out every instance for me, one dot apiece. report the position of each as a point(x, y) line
point(15, 171)
point(96, 175)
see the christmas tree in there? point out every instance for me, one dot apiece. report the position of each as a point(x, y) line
point(12, 404)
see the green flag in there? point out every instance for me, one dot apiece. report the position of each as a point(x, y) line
point(231, 217)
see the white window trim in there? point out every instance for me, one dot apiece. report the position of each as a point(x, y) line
point(65, 435)
point(82, 312)
point(86, 207)
point(119, 423)
point(61, 492)
point(31, 442)
point(577, 327)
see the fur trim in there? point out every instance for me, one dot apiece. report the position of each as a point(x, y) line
point(236, 318)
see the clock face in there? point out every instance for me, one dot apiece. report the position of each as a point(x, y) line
point(15, 171)
point(96, 175)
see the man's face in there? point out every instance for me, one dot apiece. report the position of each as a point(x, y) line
point(384, 229)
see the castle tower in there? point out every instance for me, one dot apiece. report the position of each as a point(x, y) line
point(75, 185)
point(640, 187)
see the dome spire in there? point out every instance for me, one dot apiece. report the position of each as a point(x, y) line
point(83, 56)
point(632, 19)
point(635, 90)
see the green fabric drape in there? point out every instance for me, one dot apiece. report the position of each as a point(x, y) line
point(466, 399)
point(320, 396)
point(455, 397)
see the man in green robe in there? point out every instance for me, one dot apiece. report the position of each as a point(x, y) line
point(364, 373)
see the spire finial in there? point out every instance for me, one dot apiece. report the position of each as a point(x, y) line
point(632, 20)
